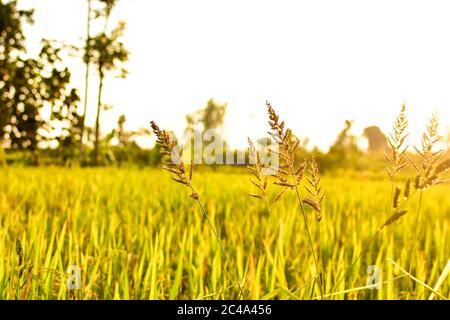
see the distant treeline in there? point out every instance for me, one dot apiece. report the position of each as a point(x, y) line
point(30, 85)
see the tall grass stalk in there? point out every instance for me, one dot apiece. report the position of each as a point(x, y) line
point(257, 166)
point(219, 241)
point(176, 167)
point(428, 171)
point(311, 243)
point(288, 176)
point(396, 160)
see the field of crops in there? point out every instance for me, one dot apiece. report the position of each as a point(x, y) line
point(135, 234)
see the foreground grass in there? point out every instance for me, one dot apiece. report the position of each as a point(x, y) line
point(136, 235)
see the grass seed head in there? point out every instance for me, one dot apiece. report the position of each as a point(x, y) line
point(260, 181)
point(395, 216)
point(397, 157)
point(287, 147)
point(176, 168)
point(315, 191)
point(396, 197)
point(428, 168)
point(407, 192)
point(443, 167)
point(19, 251)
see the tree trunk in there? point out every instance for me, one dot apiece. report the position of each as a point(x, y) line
point(97, 120)
point(35, 155)
point(83, 120)
point(2, 156)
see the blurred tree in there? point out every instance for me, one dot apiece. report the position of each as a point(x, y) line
point(190, 125)
point(2, 157)
point(11, 45)
point(376, 138)
point(68, 124)
point(64, 118)
point(107, 53)
point(123, 139)
point(104, 11)
point(126, 149)
point(345, 140)
point(122, 136)
point(87, 63)
point(345, 149)
point(211, 117)
point(30, 84)
point(38, 83)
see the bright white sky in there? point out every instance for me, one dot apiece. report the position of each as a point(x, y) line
point(318, 62)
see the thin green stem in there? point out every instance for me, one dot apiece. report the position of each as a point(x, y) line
point(417, 233)
point(391, 198)
point(320, 254)
point(372, 239)
point(205, 214)
point(417, 280)
point(311, 244)
point(271, 218)
point(329, 295)
point(369, 243)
